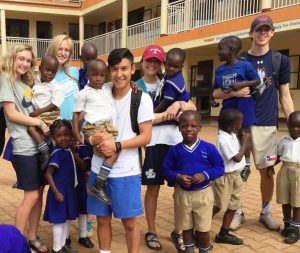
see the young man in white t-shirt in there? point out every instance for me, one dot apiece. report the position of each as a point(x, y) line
point(124, 186)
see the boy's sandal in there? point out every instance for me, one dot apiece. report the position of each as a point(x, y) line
point(38, 246)
point(178, 241)
point(152, 238)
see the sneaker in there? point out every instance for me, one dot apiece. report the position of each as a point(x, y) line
point(98, 191)
point(237, 222)
point(285, 231)
point(89, 228)
point(269, 222)
point(68, 241)
point(228, 239)
point(245, 173)
point(293, 235)
point(86, 242)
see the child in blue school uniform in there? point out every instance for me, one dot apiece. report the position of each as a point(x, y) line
point(234, 75)
point(62, 202)
point(192, 164)
point(172, 86)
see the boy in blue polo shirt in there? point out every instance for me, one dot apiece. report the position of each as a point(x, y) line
point(172, 86)
point(192, 165)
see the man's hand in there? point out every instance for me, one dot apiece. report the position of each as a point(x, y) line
point(100, 136)
point(107, 148)
point(198, 178)
point(184, 180)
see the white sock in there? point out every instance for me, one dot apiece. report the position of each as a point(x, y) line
point(239, 211)
point(68, 228)
point(57, 230)
point(82, 225)
point(65, 233)
point(266, 207)
point(105, 251)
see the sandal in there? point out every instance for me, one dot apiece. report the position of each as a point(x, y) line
point(150, 238)
point(38, 246)
point(178, 241)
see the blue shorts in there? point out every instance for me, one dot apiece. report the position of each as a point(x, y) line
point(125, 195)
point(8, 152)
point(29, 174)
point(244, 105)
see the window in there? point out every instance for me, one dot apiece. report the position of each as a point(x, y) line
point(17, 28)
point(114, 25)
point(74, 31)
point(43, 30)
point(295, 71)
point(136, 16)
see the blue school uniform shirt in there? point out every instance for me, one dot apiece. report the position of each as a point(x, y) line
point(82, 78)
point(202, 157)
point(173, 89)
point(65, 180)
point(70, 88)
point(266, 97)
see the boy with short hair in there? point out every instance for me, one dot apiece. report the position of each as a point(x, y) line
point(192, 165)
point(124, 183)
point(47, 97)
point(172, 86)
point(236, 74)
point(288, 179)
point(228, 189)
point(88, 52)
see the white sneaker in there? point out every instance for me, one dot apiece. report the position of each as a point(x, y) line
point(269, 222)
point(237, 221)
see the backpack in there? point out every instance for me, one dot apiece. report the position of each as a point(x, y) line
point(136, 96)
point(276, 62)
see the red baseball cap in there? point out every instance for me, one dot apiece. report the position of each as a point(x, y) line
point(154, 51)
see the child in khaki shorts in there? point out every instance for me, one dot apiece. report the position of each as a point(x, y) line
point(228, 189)
point(192, 164)
point(288, 179)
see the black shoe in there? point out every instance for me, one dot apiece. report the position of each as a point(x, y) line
point(293, 235)
point(86, 242)
point(44, 160)
point(228, 239)
point(60, 251)
point(245, 173)
point(98, 191)
point(285, 231)
point(68, 241)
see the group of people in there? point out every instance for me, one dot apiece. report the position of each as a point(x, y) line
point(82, 135)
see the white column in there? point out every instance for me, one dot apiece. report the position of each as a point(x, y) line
point(124, 23)
point(164, 17)
point(266, 5)
point(3, 31)
point(81, 31)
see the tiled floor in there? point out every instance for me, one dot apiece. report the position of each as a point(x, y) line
point(256, 237)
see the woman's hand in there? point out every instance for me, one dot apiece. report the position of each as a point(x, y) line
point(107, 148)
point(44, 127)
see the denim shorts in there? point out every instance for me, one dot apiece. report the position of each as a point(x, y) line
point(125, 195)
point(29, 174)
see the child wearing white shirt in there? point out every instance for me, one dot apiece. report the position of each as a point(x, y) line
point(47, 97)
point(288, 179)
point(96, 102)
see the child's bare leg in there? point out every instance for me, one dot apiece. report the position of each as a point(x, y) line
point(203, 239)
point(215, 211)
point(42, 145)
point(287, 218)
point(223, 236)
point(98, 188)
point(188, 238)
point(246, 171)
point(293, 231)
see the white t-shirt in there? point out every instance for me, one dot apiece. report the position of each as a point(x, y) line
point(128, 161)
point(96, 103)
point(162, 134)
point(228, 145)
point(289, 149)
point(43, 94)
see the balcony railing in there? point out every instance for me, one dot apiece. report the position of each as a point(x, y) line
point(39, 45)
point(190, 14)
point(144, 33)
point(276, 4)
point(106, 42)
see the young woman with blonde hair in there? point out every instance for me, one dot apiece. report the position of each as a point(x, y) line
point(61, 46)
point(17, 71)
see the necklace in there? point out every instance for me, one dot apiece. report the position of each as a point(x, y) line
point(120, 105)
